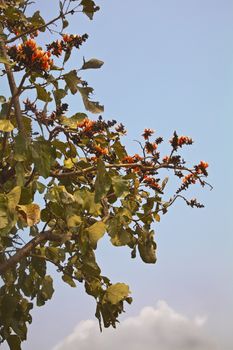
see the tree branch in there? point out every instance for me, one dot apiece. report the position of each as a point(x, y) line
point(29, 31)
point(24, 251)
point(13, 87)
point(121, 165)
point(27, 249)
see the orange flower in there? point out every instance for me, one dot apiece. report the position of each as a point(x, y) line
point(67, 38)
point(136, 169)
point(31, 43)
point(147, 133)
point(203, 164)
point(86, 124)
point(150, 147)
point(150, 181)
point(100, 150)
point(184, 140)
point(128, 159)
point(34, 55)
point(137, 158)
point(201, 167)
point(189, 178)
point(166, 159)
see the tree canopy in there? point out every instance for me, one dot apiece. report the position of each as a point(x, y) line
point(68, 180)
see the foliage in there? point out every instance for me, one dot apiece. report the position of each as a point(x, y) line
point(65, 181)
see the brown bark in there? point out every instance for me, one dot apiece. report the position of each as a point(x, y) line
point(23, 252)
point(28, 248)
point(13, 88)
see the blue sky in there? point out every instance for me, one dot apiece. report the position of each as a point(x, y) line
point(168, 66)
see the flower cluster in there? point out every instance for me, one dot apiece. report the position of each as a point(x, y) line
point(121, 129)
point(184, 140)
point(199, 169)
point(86, 125)
point(134, 159)
point(179, 141)
point(151, 147)
point(152, 183)
point(166, 159)
point(100, 151)
point(188, 179)
point(30, 55)
point(66, 44)
point(147, 133)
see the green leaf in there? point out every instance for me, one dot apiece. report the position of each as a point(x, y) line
point(9, 304)
point(119, 150)
point(13, 197)
point(72, 80)
point(52, 253)
point(89, 8)
point(65, 23)
point(91, 106)
point(4, 110)
point(164, 183)
point(59, 194)
point(69, 280)
point(39, 265)
point(14, 342)
point(73, 121)
point(87, 200)
point(67, 56)
point(44, 155)
point(147, 252)
point(37, 20)
point(6, 125)
point(6, 61)
point(21, 148)
point(59, 94)
point(95, 232)
point(20, 173)
point(120, 186)
point(103, 181)
point(42, 94)
point(116, 293)
point(40, 187)
point(93, 63)
point(3, 211)
point(2, 99)
point(122, 238)
point(47, 287)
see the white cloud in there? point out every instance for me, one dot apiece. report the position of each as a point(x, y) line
point(159, 328)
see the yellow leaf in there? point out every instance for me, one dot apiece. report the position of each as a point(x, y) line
point(157, 217)
point(116, 293)
point(74, 221)
point(29, 213)
point(69, 163)
point(6, 125)
point(96, 231)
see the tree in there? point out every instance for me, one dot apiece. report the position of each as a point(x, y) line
point(65, 181)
